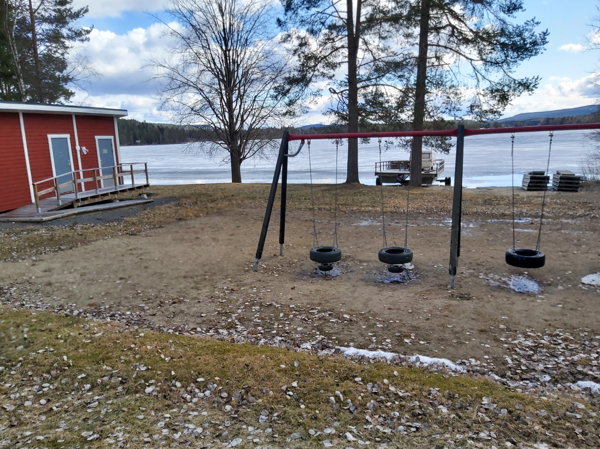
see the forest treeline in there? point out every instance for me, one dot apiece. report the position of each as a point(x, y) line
point(574, 120)
point(133, 132)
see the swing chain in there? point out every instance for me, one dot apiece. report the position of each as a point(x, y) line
point(312, 198)
point(537, 246)
point(512, 157)
point(335, 234)
point(406, 224)
point(382, 207)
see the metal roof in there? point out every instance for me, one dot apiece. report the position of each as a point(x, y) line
point(15, 106)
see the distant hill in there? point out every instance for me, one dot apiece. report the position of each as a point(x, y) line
point(316, 125)
point(573, 112)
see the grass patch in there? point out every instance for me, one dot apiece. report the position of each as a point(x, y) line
point(68, 382)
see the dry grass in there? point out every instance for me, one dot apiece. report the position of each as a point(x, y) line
point(92, 380)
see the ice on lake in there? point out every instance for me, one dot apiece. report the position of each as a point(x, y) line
point(487, 160)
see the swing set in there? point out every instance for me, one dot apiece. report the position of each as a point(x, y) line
point(394, 256)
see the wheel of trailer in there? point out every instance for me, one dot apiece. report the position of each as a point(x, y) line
point(378, 181)
point(325, 254)
point(525, 258)
point(395, 255)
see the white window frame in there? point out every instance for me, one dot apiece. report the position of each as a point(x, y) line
point(58, 136)
point(112, 139)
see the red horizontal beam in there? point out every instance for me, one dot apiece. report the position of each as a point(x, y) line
point(530, 129)
point(447, 133)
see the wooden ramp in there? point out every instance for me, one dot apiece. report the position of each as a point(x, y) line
point(30, 214)
point(68, 200)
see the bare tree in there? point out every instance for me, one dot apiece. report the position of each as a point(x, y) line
point(224, 75)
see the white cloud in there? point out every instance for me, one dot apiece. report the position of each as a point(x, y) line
point(126, 76)
point(572, 48)
point(558, 93)
point(114, 8)
point(139, 107)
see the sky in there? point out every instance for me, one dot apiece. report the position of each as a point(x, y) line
point(129, 34)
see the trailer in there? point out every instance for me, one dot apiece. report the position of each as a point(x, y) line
point(398, 172)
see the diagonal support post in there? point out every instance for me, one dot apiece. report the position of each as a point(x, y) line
point(283, 150)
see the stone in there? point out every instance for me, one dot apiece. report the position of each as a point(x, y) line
point(235, 442)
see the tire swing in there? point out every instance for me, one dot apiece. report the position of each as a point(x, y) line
point(394, 256)
point(523, 257)
point(325, 256)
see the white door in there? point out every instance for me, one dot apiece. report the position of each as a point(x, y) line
point(106, 158)
point(62, 161)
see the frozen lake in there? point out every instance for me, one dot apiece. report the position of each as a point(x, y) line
point(487, 160)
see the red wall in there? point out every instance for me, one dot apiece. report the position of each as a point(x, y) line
point(14, 185)
point(88, 127)
point(37, 128)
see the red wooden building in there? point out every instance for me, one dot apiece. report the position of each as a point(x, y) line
point(38, 142)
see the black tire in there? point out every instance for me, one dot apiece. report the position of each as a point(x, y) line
point(325, 254)
point(378, 181)
point(395, 255)
point(525, 258)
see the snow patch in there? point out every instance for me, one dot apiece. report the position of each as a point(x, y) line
point(416, 359)
point(591, 279)
point(365, 353)
point(593, 386)
point(424, 360)
point(523, 284)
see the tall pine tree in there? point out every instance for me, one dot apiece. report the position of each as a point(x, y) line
point(36, 37)
point(468, 51)
point(410, 61)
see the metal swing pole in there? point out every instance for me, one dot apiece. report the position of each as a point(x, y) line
point(457, 204)
point(284, 173)
point(283, 149)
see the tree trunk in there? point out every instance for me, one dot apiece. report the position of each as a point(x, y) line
point(353, 39)
point(36, 54)
point(236, 165)
point(416, 158)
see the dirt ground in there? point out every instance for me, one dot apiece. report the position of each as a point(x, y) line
point(198, 271)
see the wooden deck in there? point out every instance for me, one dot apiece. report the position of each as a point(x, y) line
point(70, 197)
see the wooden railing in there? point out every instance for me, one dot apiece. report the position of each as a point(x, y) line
point(77, 180)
